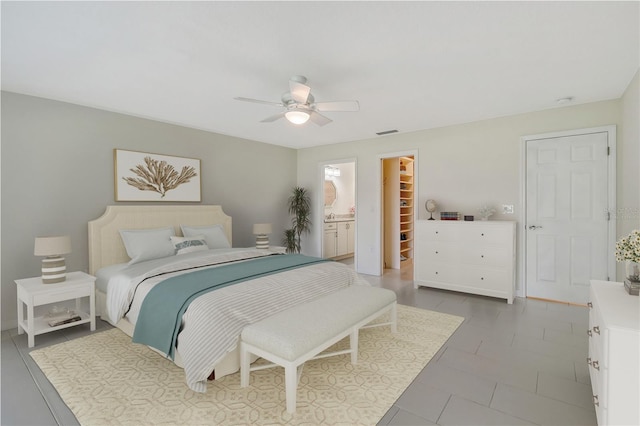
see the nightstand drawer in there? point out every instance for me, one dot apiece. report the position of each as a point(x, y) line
point(60, 295)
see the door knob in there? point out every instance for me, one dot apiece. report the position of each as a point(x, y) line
point(534, 227)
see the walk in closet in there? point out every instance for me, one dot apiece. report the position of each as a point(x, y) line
point(398, 196)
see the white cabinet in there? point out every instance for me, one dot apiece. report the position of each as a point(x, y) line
point(345, 244)
point(329, 241)
point(338, 239)
point(614, 353)
point(471, 257)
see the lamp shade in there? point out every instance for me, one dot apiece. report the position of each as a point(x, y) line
point(262, 229)
point(296, 116)
point(51, 246)
point(54, 269)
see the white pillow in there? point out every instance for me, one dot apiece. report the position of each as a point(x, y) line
point(184, 245)
point(147, 244)
point(213, 234)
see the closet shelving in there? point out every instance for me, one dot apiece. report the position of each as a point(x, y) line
point(406, 210)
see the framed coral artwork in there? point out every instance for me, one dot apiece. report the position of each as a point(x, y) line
point(142, 176)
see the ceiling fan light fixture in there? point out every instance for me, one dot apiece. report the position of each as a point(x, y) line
point(296, 116)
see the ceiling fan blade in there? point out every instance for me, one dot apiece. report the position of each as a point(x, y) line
point(338, 106)
point(319, 119)
point(299, 92)
point(272, 118)
point(258, 101)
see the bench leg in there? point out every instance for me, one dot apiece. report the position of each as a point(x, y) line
point(244, 366)
point(353, 343)
point(291, 386)
point(394, 318)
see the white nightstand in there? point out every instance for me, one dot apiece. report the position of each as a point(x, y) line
point(32, 292)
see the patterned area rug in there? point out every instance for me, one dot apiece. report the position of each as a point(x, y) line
point(106, 379)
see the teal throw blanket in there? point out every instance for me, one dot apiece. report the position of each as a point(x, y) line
point(162, 309)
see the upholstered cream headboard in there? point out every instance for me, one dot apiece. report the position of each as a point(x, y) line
point(105, 244)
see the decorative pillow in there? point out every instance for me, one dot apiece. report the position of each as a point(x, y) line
point(188, 244)
point(213, 234)
point(147, 244)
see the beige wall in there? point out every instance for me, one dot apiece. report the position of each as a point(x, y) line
point(461, 167)
point(57, 174)
point(628, 214)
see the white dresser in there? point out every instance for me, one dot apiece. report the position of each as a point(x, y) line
point(614, 353)
point(471, 257)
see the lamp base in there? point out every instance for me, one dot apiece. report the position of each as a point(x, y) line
point(262, 242)
point(54, 270)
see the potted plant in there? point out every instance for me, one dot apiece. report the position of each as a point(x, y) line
point(299, 206)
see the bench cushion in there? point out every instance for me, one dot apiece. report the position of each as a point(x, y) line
point(294, 332)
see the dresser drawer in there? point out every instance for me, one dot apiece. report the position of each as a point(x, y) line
point(496, 257)
point(596, 337)
point(440, 233)
point(490, 235)
point(438, 273)
point(485, 278)
point(441, 252)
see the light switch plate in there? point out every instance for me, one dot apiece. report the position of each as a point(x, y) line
point(507, 209)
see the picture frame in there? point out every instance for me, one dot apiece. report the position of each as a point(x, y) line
point(145, 176)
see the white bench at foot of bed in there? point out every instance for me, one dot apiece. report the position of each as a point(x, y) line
point(292, 337)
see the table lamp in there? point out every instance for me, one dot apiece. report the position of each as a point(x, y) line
point(54, 269)
point(262, 231)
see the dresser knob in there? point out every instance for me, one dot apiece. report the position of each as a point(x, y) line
point(596, 329)
point(595, 401)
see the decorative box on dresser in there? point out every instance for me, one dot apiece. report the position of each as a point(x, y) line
point(471, 257)
point(614, 353)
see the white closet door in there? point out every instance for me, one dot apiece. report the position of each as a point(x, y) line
point(566, 227)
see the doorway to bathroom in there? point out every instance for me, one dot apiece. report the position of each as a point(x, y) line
point(339, 210)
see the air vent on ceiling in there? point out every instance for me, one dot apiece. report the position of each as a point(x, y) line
point(386, 132)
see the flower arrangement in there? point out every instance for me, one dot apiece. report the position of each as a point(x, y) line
point(628, 248)
point(486, 211)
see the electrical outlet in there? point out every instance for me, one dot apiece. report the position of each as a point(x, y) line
point(507, 209)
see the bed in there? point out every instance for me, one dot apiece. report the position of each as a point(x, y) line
point(207, 334)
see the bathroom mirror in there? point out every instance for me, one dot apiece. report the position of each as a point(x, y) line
point(330, 193)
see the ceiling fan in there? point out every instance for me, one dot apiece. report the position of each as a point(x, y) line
point(300, 105)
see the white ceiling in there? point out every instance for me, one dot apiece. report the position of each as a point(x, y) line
point(411, 65)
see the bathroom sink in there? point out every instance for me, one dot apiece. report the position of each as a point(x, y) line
point(339, 219)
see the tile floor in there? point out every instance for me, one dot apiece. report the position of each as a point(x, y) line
point(506, 365)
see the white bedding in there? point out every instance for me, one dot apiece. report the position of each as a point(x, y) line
point(120, 282)
point(213, 322)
